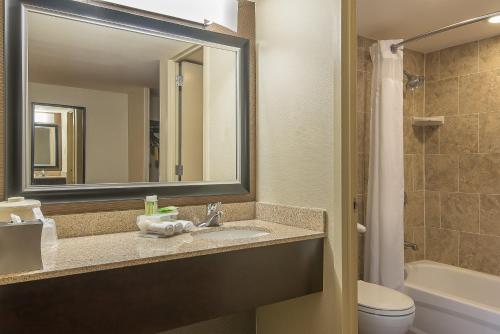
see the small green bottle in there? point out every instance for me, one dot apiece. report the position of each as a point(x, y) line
point(151, 205)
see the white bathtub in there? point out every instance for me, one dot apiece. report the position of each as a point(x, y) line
point(452, 300)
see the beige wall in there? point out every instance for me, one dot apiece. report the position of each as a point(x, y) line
point(462, 158)
point(106, 128)
point(138, 134)
point(295, 147)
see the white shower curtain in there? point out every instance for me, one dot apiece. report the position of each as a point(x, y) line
point(384, 242)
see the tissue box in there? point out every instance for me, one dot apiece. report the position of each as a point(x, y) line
point(20, 247)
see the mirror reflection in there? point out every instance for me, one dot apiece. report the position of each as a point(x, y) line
point(58, 144)
point(110, 105)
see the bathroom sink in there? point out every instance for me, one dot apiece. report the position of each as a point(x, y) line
point(230, 233)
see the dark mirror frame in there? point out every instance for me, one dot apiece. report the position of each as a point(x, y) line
point(15, 104)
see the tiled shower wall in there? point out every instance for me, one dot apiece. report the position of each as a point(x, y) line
point(462, 158)
point(413, 148)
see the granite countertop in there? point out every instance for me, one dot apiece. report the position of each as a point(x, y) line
point(93, 253)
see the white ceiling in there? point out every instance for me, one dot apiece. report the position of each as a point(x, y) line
point(79, 54)
point(394, 19)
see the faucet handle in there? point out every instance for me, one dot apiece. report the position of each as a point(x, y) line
point(212, 207)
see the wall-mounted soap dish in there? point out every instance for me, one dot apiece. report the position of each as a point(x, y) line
point(427, 121)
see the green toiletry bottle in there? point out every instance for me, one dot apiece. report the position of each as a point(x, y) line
point(151, 205)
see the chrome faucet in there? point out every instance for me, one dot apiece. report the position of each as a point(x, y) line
point(214, 215)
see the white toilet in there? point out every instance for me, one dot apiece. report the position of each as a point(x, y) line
point(383, 311)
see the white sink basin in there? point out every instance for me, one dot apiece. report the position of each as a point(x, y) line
point(230, 234)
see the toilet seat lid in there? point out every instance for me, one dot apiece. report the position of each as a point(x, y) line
point(377, 299)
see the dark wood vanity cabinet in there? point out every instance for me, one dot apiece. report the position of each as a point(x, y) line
point(150, 298)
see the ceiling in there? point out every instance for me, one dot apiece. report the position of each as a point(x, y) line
point(394, 19)
point(79, 54)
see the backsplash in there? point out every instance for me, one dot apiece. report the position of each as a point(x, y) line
point(95, 223)
point(413, 105)
point(462, 158)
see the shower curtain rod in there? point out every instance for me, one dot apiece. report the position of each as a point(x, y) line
point(395, 47)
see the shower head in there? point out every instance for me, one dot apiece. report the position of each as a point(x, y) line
point(413, 81)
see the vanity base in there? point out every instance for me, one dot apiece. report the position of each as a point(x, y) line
point(155, 297)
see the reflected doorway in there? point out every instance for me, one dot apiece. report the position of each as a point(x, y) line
point(58, 144)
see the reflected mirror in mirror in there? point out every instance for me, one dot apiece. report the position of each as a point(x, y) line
point(111, 105)
point(58, 144)
point(46, 149)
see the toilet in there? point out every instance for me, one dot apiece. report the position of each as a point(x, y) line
point(383, 311)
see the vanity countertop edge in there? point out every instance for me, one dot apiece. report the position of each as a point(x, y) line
point(79, 255)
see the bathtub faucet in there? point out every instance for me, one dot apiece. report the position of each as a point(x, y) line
point(411, 245)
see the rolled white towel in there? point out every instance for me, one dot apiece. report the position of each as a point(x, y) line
point(165, 228)
point(178, 227)
point(186, 225)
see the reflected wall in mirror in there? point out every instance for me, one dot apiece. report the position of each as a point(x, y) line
point(111, 105)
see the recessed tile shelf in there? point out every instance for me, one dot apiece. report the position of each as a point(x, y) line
point(427, 121)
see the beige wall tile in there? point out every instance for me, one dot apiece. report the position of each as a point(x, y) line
point(459, 60)
point(413, 62)
point(361, 54)
point(478, 93)
point(364, 61)
point(441, 97)
point(360, 91)
point(489, 53)
point(415, 235)
point(489, 132)
point(480, 252)
point(431, 140)
point(360, 131)
point(460, 211)
point(408, 236)
point(414, 172)
point(459, 134)
point(409, 172)
point(418, 175)
point(432, 66)
point(367, 132)
point(441, 172)
point(414, 209)
point(419, 101)
point(442, 245)
point(362, 180)
point(413, 137)
point(419, 239)
point(480, 173)
point(490, 215)
point(368, 90)
point(432, 209)
point(408, 102)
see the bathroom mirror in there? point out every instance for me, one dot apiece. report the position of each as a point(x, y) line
point(112, 104)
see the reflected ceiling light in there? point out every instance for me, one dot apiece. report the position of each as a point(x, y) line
point(494, 19)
